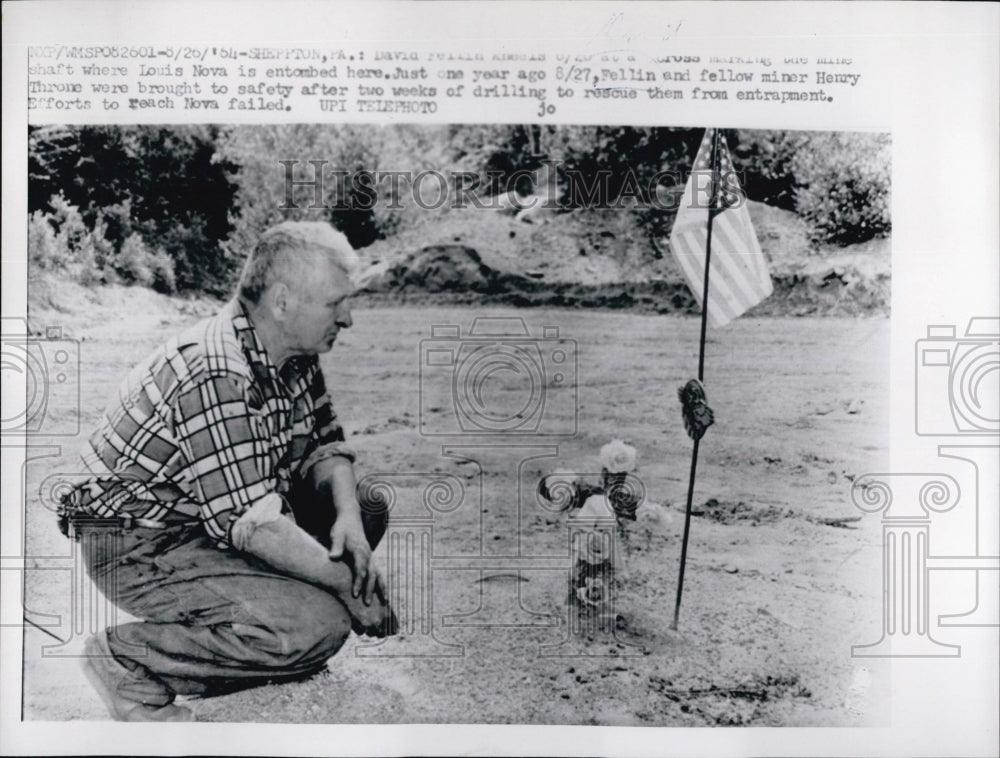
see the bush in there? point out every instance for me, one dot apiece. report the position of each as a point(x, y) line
point(61, 241)
point(164, 183)
point(253, 154)
point(45, 251)
point(138, 264)
point(843, 186)
point(764, 160)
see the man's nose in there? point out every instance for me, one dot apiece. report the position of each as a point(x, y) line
point(344, 319)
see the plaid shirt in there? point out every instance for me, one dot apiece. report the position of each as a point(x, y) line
point(207, 426)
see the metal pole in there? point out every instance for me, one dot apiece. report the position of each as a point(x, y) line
point(701, 372)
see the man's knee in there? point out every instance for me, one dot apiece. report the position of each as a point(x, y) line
point(320, 632)
point(295, 638)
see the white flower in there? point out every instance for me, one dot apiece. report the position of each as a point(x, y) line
point(618, 458)
point(592, 592)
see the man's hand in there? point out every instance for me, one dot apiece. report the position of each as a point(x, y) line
point(348, 536)
point(281, 543)
point(375, 620)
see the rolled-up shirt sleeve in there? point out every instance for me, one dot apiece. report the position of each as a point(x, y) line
point(226, 450)
point(326, 436)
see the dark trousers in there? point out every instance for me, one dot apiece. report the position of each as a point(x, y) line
point(214, 620)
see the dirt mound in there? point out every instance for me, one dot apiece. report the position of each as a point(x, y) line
point(457, 275)
point(438, 268)
point(844, 285)
point(593, 259)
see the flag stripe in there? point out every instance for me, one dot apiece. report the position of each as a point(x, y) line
point(740, 268)
point(723, 304)
point(734, 268)
point(728, 273)
point(722, 307)
point(739, 278)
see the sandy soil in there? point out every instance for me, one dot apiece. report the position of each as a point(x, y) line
point(774, 598)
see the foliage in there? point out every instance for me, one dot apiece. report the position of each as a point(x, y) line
point(138, 264)
point(842, 186)
point(764, 159)
point(630, 162)
point(179, 207)
point(61, 241)
point(337, 157)
point(162, 183)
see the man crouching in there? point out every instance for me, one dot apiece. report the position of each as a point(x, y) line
point(220, 506)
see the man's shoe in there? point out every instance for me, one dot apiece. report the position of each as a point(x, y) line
point(128, 695)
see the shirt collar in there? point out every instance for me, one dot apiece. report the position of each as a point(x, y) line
point(257, 356)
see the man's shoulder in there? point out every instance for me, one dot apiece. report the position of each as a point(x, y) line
point(212, 347)
point(205, 350)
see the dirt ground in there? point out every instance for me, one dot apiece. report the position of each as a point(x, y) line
point(774, 597)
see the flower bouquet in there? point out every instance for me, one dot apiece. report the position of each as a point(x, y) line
point(599, 512)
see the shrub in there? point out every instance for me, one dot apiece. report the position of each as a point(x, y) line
point(138, 264)
point(253, 155)
point(163, 183)
point(61, 241)
point(45, 251)
point(843, 186)
point(764, 159)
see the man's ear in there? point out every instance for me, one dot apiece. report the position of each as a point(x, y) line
point(277, 298)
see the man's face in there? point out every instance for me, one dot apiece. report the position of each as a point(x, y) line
point(318, 308)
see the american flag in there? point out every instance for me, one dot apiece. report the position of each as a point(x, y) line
point(739, 278)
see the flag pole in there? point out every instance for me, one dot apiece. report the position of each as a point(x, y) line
point(701, 372)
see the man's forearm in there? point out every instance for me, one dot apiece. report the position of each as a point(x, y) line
point(286, 547)
point(334, 478)
point(282, 544)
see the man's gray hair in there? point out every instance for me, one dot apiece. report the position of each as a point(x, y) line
point(285, 248)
